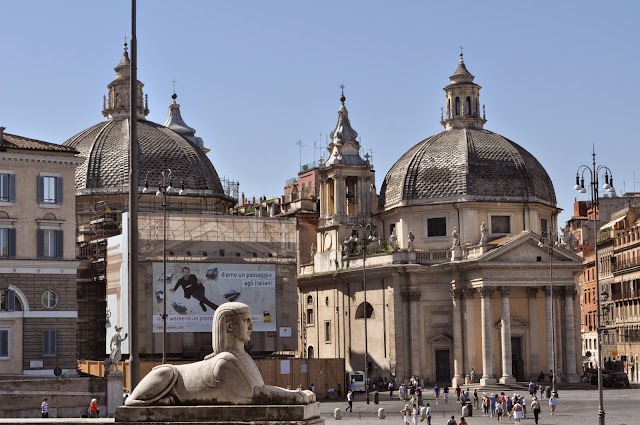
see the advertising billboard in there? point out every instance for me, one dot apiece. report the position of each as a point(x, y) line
point(195, 290)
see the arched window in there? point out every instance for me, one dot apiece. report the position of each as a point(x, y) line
point(360, 311)
point(310, 352)
point(457, 105)
point(310, 315)
point(467, 106)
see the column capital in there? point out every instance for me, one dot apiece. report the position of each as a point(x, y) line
point(505, 291)
point(411, 295)
point(405, 295)
point(456, 294)
point(485, 292)
point(470, 293)
point(547, 291)
point(415, 295)
point(532, 292)
point(570, 291)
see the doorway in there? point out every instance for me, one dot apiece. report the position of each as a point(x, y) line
point(443, 368)
point(517, 358)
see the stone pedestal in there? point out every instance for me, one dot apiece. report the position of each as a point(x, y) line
point(456, 253)
point(221, 415)
point(115, 387)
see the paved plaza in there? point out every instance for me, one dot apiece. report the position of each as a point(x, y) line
point(575, 407)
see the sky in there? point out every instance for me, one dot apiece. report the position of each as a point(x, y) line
point(259, 80)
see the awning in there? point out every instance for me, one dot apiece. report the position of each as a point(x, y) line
point(613, 222)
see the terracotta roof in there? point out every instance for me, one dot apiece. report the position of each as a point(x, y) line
point(12, 141)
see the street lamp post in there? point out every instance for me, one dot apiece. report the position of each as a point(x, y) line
point(365, 242)
point(549, 240)
point(593, 172)
point(165, 187)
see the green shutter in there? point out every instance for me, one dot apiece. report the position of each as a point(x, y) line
point(12, 187)
point(12, 242)
point(11, 300)
point(40, 191)
point(40, 243)
point(59, 190)
point(59, 244)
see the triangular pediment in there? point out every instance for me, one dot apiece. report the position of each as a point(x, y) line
point(441, 339)
point(523, 248)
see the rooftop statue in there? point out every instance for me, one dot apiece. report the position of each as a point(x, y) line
point(227, 376)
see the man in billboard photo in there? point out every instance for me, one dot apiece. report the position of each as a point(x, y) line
point(193, 287)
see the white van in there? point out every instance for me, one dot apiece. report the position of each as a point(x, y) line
point(356, 381)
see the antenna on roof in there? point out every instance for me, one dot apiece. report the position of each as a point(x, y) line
point(299, 143)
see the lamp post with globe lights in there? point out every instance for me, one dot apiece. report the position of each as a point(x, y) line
point(165, 187)
point(549, 240)
point(354, 240)
point(593, 172)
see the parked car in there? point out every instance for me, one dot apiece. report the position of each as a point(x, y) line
point(618, 379)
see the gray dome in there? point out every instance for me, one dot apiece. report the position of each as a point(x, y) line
point(466, 164)
point(106, 149)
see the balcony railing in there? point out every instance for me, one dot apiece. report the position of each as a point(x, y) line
point(624, 265)
point(425, 257)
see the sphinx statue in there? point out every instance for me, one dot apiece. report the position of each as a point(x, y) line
point(227, 376)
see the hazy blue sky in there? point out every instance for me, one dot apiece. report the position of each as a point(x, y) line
point(254, 77)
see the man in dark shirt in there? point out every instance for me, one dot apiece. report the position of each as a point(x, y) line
point(193, 288)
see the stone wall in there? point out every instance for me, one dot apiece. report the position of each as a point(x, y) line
point(67, 397)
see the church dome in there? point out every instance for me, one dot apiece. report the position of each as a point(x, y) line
point(465, 162)
point(105, 147)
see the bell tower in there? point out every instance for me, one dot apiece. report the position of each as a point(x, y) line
point(347, 191)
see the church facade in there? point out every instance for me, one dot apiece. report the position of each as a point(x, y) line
point(443, 271)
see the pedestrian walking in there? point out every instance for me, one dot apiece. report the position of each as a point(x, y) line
point(44, 408)
point(428, 414)
point(436, 392)
point(535, 408)
point(415, 414)
point(499, 411)
point(94, 409)
point(458, 391)
point(518, 413)
point(553, 402)
point(406, 414)
point(350, 401)
point(390, 388)
point(462, 421)
point(445, 391)
point(475, 399)
point(452, 421)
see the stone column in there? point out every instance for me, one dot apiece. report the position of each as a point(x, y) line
point(549, 327)
point(487, 346)
point(340, 199)
point(324, 193)
point(570, 336)
point(532, 296)
point(470, 331)
point(414, 302)
point(458, 356)
point(505, 334)
point(406, 335)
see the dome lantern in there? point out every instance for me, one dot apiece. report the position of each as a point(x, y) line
point(462, 100)
point(116, 106)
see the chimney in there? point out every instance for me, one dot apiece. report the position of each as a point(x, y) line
point(1, 132)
